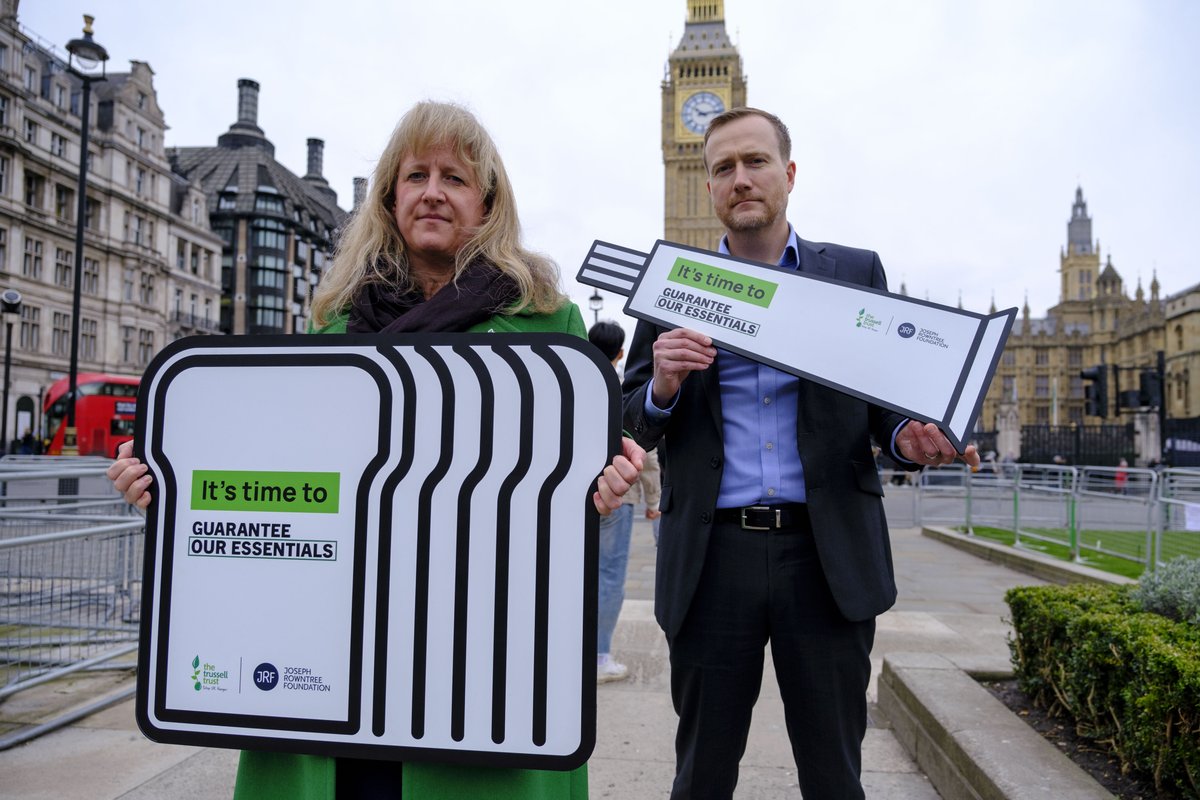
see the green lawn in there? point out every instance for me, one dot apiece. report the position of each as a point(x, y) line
point(1174, 543)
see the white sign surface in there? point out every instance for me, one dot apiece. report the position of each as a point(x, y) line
point(930, 362)
point(375, 546)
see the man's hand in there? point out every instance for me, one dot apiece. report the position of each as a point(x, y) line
point(677, 353)
point(618, 476)
point(925, 444)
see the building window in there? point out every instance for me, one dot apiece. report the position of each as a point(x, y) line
point(31, 267)
point(139, 230)
point(3, 249)
point(1041, 415)
point(1075, 357)
point(64, 203)
point(4, 168)
point(88, 338)
point(269, 204)
point(3, 111)
point(139, 183)
point(91, 214)
point(1075, 415)
point(127, 343)
point(207, 311)
point(31, 131)
point(146, 290)
point(196, 209)
point(1041, 358)
point(1041, 386)
point(195, 261)
point(227, 202)
point(63, 267)
point(145, 346)
point(141, 101)
point(60, 96)
point(60, 334)
point(1007, 391)
point(34, 189)
point(91, 276)
point(31, 79)
point(31, 327)
point(127, 284)
point(180, 255)
point(58, 145)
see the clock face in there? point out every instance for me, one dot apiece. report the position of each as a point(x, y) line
point(699, 110)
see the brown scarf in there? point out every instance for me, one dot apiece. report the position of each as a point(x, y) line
point(481, 292)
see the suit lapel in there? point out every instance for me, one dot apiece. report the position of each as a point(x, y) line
point(814, 261)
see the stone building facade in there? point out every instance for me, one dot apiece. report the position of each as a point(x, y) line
point(139, 217)
point(277, 229)
point(1095, 324)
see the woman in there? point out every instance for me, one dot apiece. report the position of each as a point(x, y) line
point(435, 247)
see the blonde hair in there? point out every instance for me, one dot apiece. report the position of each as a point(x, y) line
point(371, 248)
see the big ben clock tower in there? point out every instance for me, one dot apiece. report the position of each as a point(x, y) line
point(704, 78)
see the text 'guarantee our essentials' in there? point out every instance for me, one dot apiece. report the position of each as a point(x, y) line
point(709, 290)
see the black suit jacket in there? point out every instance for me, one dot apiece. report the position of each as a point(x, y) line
point(833, 438)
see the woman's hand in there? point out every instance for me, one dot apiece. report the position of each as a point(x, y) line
point(618, 476)
point(130, 476)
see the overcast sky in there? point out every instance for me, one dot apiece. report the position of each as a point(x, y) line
point(947, 135)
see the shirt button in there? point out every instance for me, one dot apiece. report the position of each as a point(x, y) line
point(770, 445)
point(770, 492)
point(766, 401)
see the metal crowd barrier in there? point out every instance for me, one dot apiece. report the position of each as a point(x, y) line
point(1142, 515)
point(70, 572)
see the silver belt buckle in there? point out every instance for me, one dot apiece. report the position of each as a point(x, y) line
point(778, 518)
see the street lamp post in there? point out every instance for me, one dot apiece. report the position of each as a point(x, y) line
point(595, 303)
point(10, 309)
point(85, 54)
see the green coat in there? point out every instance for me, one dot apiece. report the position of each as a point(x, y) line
point(287, 776)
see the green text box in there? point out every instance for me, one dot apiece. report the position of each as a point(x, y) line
point(242, 490)
point(723, 282)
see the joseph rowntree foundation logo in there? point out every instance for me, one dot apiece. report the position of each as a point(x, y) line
point(906, 330)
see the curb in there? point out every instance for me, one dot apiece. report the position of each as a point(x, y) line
point(969, 745)
point(1036, 564)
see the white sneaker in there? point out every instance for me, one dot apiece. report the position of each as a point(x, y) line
point(608, 670)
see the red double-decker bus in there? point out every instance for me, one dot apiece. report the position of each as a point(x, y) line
point(104, 413)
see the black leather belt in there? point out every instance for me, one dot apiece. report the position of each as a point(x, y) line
point(766, 518)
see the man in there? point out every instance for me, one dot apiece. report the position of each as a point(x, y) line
point(616, 530)
point(772, 526)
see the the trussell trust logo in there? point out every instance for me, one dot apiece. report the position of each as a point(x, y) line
point(867, 320)
point(207, 678)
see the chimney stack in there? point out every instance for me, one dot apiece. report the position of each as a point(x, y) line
point(316, 155)
point(360, 192)
point(248, 102)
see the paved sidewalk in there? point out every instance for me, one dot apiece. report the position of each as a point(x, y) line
point(950, 603)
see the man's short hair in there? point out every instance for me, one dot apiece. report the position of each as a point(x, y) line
point(781, 131)
point(608, 337)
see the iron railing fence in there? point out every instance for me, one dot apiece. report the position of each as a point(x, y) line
point(70, 570)
point(1141, 515)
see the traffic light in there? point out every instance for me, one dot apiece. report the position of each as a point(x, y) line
point(1095, 392)
point(1149, 389)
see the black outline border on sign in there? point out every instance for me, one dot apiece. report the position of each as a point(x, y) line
point(503, 344)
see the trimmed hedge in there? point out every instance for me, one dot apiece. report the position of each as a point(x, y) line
point(1129, 678)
